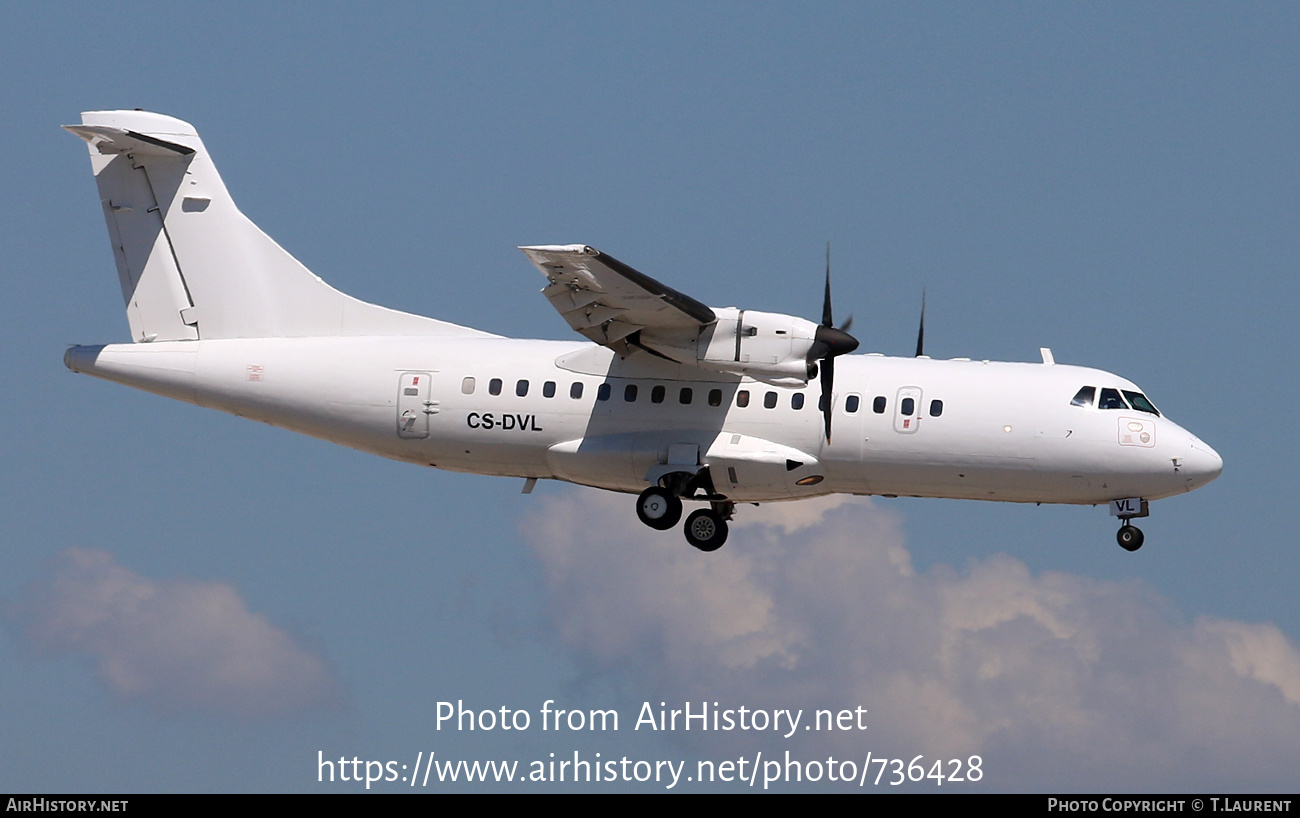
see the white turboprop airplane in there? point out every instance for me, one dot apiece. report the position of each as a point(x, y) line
point(673, 401)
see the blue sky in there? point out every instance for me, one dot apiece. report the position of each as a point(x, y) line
point(1114, 182)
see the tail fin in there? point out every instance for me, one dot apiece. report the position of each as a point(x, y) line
point(191, 265)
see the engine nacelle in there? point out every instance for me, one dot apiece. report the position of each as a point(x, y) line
point(767, 346)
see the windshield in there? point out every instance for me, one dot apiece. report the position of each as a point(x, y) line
point(1110, 399)
point(1141, 403)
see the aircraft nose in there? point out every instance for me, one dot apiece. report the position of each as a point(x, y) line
point(1203, 464)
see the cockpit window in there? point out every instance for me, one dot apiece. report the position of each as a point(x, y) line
point(1141, 403)
point(1084, 396)
point(1110, 399)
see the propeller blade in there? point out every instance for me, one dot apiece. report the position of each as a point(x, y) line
point(830, 342)
point(827, 321)
point(828, 392)
point(827, 343)
point(920, 333)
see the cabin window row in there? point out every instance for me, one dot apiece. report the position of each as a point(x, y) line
point(686, 396)
point(467, 386)
point(907, 406)
point(851, 403)
point(658, 394)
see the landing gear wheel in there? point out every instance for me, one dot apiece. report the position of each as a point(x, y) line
point(706, 530)
point(1130, 537)
point(659, 509)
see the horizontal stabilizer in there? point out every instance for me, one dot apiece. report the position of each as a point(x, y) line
point(106, 139)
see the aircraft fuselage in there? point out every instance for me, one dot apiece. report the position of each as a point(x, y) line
point(577, 412)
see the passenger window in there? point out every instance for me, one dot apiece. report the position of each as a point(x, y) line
point(657, 395)
point(548, 389)
point(575, 391)
point(769, 400)
point(684, 397)
point(908, 406)
point(796, 401)
point(878, 405)
point(936, 408)
point(1084, 396)
point(851, 404)
point(1110, 399)
point(603, 392)
point(821, 403)
point(467, 386)
point(1140, 402)
point(715, 397)
point(742, 398)
point(521, 388)
point(629, 393)
point(494, 386)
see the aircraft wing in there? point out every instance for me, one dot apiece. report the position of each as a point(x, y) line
point(607, 301)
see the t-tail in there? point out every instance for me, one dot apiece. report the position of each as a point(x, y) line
point(192, 267)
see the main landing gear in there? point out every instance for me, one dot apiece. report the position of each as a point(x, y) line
point(1129, 536)
point(706, 528)
point(660, 507)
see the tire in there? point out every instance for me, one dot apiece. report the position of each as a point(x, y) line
point(658, 509)
point(1130, 537)
point(706, 530)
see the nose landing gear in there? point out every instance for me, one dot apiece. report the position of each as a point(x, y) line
point(1130, 537)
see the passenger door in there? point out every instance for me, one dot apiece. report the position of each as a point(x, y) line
point(414, 406)
point(907, 410)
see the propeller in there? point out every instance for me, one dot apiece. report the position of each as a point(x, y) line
point(828, 342)
point(920, 333)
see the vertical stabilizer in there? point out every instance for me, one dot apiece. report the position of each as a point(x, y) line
point(191, 265)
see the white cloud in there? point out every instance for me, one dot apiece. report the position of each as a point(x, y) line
point(1056, 680)
point(177, 645)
